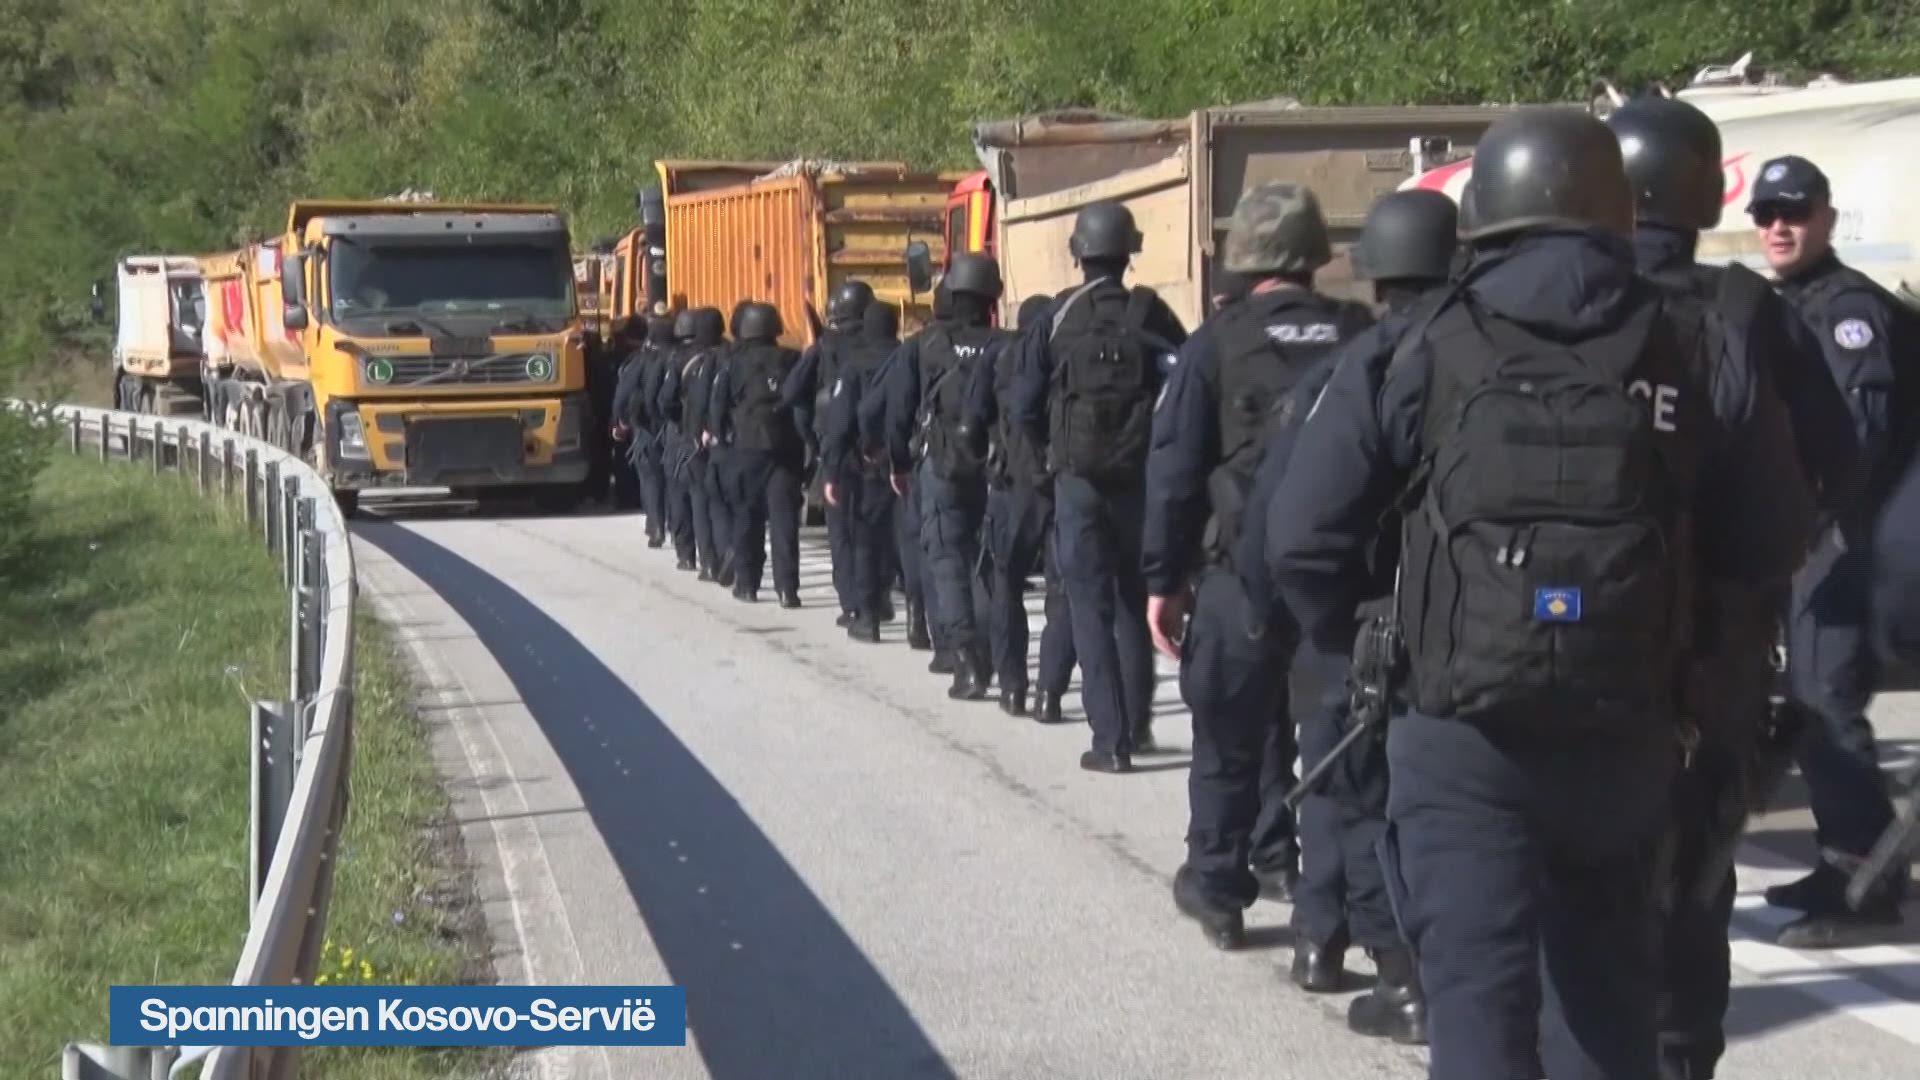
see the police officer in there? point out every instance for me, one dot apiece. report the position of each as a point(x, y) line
point(930, 435)
point(1018, 527)
point(748, 415)
point(1672, 155)
point(808, 392)
point(857, 474)
point(871, 416)
point(1090, 370)
point(1864, 335)
point(1222, 403)
point(682, 401)
point(1531, 770)
point(627, 411)
point(676, 506)
point(645, 453)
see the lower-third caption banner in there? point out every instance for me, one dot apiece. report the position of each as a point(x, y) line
point(398, 1015)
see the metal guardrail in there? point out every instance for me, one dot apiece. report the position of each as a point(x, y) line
point(302, 747)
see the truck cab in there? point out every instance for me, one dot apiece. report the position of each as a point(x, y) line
point(968, 225)
point(435, 345)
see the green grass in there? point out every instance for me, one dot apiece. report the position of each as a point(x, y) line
point(133, 626)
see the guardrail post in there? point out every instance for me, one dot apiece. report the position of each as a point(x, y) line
point(272, 530)
point(206, 451)
point(106, 436)
point(273, 772)
point(159, 444)
point(75, 428)
point(311, 602)
point(289, 530)
point(253, 486)
point(297, 609)
point(226, 471)
point(180, 448)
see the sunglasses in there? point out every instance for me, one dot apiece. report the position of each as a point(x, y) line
point(1765, 216)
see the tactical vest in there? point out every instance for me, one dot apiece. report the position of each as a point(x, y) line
point(1266, 344)
point(949, 355)
point(829, 351)
point(756, 376)
point(696, 388)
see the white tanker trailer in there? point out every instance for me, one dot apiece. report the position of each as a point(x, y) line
point(1862, 135)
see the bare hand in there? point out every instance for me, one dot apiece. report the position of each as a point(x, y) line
point(899, 482)
point(1166, 619)
point(832, 493)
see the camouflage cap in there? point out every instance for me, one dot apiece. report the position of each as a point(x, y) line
point(1277, 229)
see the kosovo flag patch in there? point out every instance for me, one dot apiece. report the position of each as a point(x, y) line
point(1556, 605)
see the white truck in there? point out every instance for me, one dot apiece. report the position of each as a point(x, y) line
point(157, 348)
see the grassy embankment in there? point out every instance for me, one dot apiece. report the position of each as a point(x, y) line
point(132, 629)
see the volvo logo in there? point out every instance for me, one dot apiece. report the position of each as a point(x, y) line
point(459, 369)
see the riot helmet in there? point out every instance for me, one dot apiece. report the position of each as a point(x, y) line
point(1104, 230)
point(758, 322)
point(1671, 151)
point(1277, 228)
point(880, 322)
point(972, 273)
point(683, 324)
point(659, 330)
point(1545, 166)
point(942, 301)
point(846, 304)
point(1408, 234)
point(709, 326)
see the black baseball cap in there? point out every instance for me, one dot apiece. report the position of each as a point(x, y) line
point(1792, 180)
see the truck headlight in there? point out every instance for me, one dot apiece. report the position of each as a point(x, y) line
point(353, 437)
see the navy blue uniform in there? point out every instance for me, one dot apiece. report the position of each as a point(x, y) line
point(926, 390)
point(1097, 534)
point(807, 393)
point(871, 416)
point(1517, 850)
point(1832, 664)
point(1896, 573)
point(1225, 396)
point(692, 387)
point(1019, 529)
point(657, 489)
point(1730, 676)
point(750, 415)
point(626, 478)
point(859, 475)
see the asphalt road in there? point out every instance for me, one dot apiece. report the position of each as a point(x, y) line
point(856, 877)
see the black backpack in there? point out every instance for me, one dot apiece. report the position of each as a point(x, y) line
point(1103, 388)
point(1547, 540)
point(947, 366)
point(759, 423)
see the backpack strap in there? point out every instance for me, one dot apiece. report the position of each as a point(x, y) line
point(1139, 306)
point(1060, 315)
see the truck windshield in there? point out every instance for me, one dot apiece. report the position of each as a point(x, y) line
point(499, 281)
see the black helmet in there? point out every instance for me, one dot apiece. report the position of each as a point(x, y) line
point(847, 302)
point(1408, 234)
point(1545, 166)
point(1031, 307)
point(709, 326)
point(733, 320)
point(973, 273)
point(683, 324)
point(759, 322)
point(1104, 230)
point(659, 330)
point(1672, 155)
point(880, 322)
point(942, 300)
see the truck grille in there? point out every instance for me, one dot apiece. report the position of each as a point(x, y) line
point(505, 370)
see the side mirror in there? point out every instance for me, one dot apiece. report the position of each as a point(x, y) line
point(97, 302)
point(919, 267)
point(294, 316)
point(293, 278)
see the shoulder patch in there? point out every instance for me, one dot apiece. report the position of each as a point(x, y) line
point(1853, 334)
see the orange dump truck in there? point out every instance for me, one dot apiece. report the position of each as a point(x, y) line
point(789, 234)
point(407, 344)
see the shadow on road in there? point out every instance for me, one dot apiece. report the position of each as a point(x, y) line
point(775, 987)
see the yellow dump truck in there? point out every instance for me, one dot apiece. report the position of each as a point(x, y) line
point(157, 352)
point(1183, 177)
point(407, 344)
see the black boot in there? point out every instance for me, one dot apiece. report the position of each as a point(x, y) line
point(970, 678)
point(1013, 702)
point(656, 540)
point(846, 619)
point(917, 636)
point(746, 595)
point(864, 628)
point(1047, 709)
point(1278, 884)
point(942, 663)
point(789, 599)
point(1143, 739)
point(1320, 969)
point(1225, 927)
point(884, 613)
point(684, 564)
point(725, 577)
point(1394, 1008)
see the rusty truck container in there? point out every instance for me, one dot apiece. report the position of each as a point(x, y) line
point(1182, 179)
point(789, 234)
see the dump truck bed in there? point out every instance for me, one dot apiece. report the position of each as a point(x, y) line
point(790, 234)
point(1182, 180)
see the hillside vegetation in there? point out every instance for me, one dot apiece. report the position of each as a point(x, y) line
point(189, 124)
